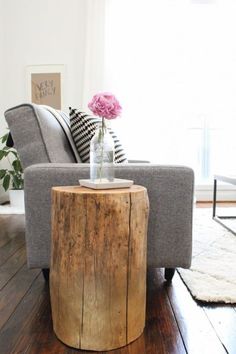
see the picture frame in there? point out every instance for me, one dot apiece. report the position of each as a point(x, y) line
point(45, 85)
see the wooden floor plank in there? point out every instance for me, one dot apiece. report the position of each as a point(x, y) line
point(196, 330)
point(38, 332)
point(162, 333)
point(223, 320)
point(175, 322)
point(29, 330)
point(11, 266)
point(11, 247)
point(14, 291)
point(10, 227)
point(5, 235)
point(14, 330)
point(5, 238)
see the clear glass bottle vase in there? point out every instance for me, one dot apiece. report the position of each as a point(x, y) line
point(102, 155)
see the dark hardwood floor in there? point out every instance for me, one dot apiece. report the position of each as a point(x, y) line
point(175, 322)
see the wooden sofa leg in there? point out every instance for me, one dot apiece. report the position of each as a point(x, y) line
point(46, 272)
point(169, 273)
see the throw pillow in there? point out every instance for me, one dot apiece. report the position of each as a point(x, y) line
point(83, 128)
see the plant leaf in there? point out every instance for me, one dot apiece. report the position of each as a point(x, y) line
point(6, 148)
point(15, 154)
point(16, 165)
point(2, 173)
point(6, 182)
point(18, 182)
point(4, 138)
point(2, 154)
point(15, 182)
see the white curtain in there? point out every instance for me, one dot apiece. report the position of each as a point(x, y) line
point(172, 65)
point(94, 51)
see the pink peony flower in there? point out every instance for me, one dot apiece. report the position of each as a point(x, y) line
point(105, 105)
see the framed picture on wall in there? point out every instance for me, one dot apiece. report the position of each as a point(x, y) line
point(45, 85)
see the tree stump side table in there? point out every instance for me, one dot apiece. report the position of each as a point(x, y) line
point(98, 266)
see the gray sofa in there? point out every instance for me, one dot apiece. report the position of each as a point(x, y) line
point(42, 138)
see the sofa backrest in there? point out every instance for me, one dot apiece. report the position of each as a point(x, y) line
point(39, 136)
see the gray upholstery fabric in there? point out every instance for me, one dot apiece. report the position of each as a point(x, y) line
point(42, 141)
point(64, 122)
point(37, 135)
point(170, 190)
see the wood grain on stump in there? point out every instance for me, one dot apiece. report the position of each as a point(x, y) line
point(98, 265)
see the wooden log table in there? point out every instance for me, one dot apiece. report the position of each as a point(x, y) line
point(98, 266)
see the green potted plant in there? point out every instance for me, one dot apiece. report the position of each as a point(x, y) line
point(12, 178)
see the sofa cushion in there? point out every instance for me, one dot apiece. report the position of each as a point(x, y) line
point(38, 136)
point(64, 122)
point(83, 128)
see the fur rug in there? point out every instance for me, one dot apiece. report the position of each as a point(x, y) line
point(212, 276)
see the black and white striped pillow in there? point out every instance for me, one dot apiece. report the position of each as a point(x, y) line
point(83, 128)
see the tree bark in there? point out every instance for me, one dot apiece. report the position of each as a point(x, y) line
point(98, 266)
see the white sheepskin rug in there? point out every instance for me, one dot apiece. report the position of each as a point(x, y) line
point(212, 276)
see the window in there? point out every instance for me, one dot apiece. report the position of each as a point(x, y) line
point(172, 64)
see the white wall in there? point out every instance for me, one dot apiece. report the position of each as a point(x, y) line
point(1, 65)
point(1, 54)
point(43, 32)
point(40, 32)
point(2, 124)
point(1, 59)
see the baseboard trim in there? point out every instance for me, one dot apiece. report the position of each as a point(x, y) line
point(225, 192)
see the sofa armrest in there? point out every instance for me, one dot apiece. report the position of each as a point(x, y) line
point(170, 191)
